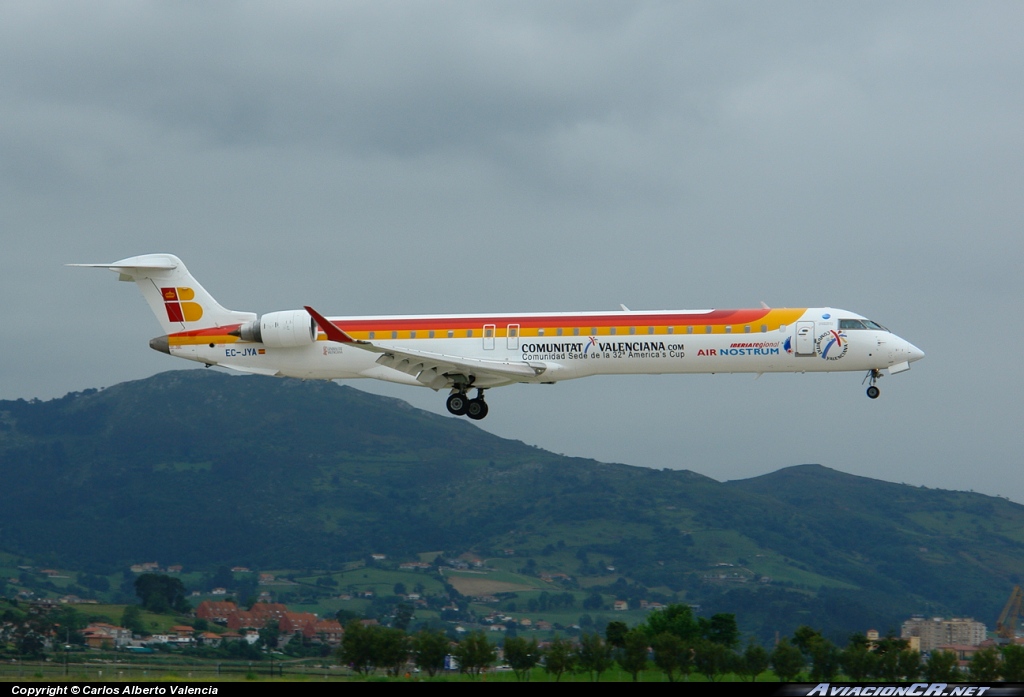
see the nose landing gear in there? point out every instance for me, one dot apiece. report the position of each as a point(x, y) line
point(874, 374)
point(460, 404)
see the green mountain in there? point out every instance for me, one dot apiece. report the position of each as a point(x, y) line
point(200, 468)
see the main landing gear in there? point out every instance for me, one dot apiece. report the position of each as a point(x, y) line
point(461, 405)
point(874, 374)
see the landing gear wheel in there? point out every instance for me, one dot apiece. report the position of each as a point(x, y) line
point(476, 409)
point(873, 375)
point(458, 404)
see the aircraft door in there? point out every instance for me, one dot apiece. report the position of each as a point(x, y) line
point(512, 337)
point(805, 338)
point(489, 337)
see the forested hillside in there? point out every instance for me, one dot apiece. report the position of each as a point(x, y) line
point(204, 469)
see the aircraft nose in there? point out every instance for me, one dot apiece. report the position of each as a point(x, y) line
point(914, 353)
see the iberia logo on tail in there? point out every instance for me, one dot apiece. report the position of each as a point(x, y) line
point(177, 305)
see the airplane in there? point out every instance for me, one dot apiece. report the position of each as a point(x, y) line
point(460, 353)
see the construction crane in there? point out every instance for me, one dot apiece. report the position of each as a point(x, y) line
point(1006, 625)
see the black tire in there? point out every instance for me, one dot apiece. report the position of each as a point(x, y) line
point(873, 392)
point(457, 404)
point(476, 409)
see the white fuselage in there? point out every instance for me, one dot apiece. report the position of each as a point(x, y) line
point(576, 345)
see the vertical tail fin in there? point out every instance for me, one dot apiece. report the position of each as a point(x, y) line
point(176, 298)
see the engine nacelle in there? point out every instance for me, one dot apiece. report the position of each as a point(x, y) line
point(286, 329)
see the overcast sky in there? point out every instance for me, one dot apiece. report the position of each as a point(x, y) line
point(431, 157)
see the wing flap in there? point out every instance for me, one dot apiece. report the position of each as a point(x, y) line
point(430, 368)
point(435, 369)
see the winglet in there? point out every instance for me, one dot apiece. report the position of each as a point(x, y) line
point(332, 332)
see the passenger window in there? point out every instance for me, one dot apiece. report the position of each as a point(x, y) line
point(394, 335)
point(558, 331)
point(372, 334)
point(747, 329)
point(451, 333)
point(575, 331)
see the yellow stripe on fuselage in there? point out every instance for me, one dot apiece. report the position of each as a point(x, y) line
point(560, 326)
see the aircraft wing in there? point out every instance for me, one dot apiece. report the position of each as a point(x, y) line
point(434, 369)
point(431, 369)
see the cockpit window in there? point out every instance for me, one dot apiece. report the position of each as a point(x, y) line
point(860, 324)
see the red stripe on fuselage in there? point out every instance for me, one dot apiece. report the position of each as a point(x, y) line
point(713, 318)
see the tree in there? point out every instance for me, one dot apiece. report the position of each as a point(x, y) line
point(908, 665)
point(403, 616)
point(429, 649)
point(270, 634)
point(1013, 663)
point(712, 660)
point(753, 662)
point(804, 637)
point(67, 624)
point(675, 619)
point(131, 619)
point(615, 633)
point(787, 661)
point(822, 654)
point(984, 666)
point(522, 656)
point(671, 654)
point(825, 659)
point(223, 578)
point(857, 660)
point(391, 649)
point(358, 648)
point(29, 642)
point(941, 666)
point(161, 594)
point(633, 654)
point(720, 629)
point(474, 653)
point(594, 655)
point(30, 634)
point(890, 665)
point(559, 657)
